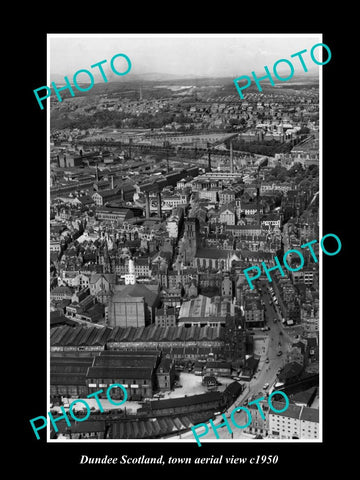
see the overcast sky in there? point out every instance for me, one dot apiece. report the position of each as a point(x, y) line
point(216, 55)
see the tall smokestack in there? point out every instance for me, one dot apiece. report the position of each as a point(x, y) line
point(231, 159)
point(147, 205)
point(159, 204)
point(166, 146)
point(112, 182)
point(209, 157)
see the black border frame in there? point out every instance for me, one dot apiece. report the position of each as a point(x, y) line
point(65, 457)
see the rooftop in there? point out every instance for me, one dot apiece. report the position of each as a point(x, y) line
point(202, 306)
point(93, 336)
point(213, 253)
point(136, 291)
point(125, 373)
point(310, 414)
point(185, 401)
point(292, 411)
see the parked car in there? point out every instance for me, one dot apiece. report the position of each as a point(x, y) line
point(266, 386)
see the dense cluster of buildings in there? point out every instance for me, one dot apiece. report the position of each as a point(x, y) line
point(147, 255)
point(140, 372)
point(273, 116)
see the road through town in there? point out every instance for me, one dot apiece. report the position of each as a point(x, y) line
point(267, 346)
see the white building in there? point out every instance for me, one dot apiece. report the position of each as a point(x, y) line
point(172, 226)
point(130, 278)
point(296, 422)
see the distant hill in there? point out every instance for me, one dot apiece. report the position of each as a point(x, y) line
point(158, 77)
point(135, 77)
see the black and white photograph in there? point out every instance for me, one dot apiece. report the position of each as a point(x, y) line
point(184, 237)
point(186, 248)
